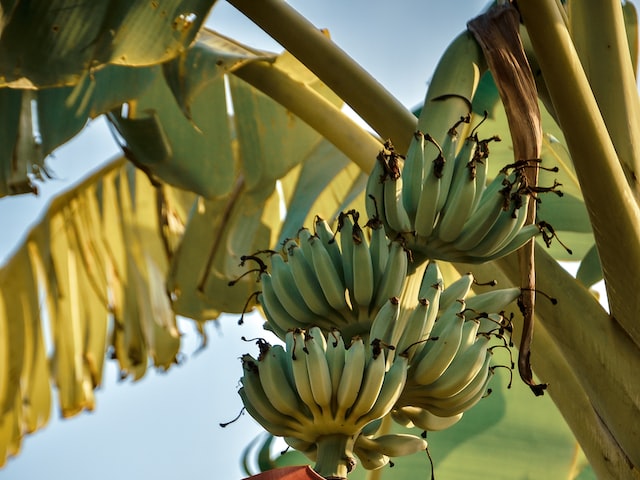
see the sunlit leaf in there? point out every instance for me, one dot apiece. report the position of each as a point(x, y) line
point(53, 43)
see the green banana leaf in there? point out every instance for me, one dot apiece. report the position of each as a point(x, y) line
point(48, 43)
point(111, 248)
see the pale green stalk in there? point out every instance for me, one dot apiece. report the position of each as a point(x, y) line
point(368, 98)
point(612, 206)
point(350, 138)
point(599, 34)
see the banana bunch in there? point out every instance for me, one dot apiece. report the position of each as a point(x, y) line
point(450, 360)
point(334, 280)
point(320, 395)
point(443, 207)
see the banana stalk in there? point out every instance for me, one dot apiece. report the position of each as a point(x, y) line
point(386, 115)
point(611, 202)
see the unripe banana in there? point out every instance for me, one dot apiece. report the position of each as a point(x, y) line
point(307, 282)
point(427, 209)
point(345, 223)
point(352, 376)
point(525, 234)
point(335, 360)
point(287, 291)
point(279, 428)
point(394, 381)
point(323, 232)
point(275, 312)
point(275, 382)
point(413, 173)
point(363, 280)
point(371, 384)
point(485, 215)
point(385, 321)
point(417, 329)
point(330, 280)
point(300, 372)
point(393, 277)
point(463, 369)
point(258, 399)
point(464, 400)
point(461, 194)
point(369, 459)
point(371, 428)
point(318, 369)
point(428, 421)
point(395, 212)
point(458, 290)
point(394, 444)
point(491, 301)
point(439, 353)
point(501, 229)
point(374, 200)
point(521, 217)
point(379, 251)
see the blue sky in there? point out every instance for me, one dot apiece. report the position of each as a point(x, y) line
point(166, 425)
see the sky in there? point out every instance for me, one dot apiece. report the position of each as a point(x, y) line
point(166, 426)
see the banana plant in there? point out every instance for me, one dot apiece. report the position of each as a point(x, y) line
point(134, 240)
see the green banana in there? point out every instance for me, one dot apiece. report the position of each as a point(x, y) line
point(485, 215)
point(394, 381)
point(393, 277)
point(417, 329)
point(458, 290)
point(427, 208)
point(345, 223)
point(308, 284)
point(371, 384)
point(370, 459)
point(394, 444)
point(286, 289)
point(374, 200)
point(491, 301)
point(394, 209)
point(330, 280)
point(428, 421)
point(379, 251)
point(384, 323)
point(257, 397)
point(352, 376)
point(318, 369)
point(335, 360)
point(323, 232)
point(464, 368)
point(412, 174)
point(296, 340)
point(363, 280)
point(276, 314)
point(440, 352)
point(275, 383)
point(457, 207)
point(463, 400)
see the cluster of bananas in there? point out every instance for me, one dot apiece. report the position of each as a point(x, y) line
point(424, 366)
point(443, 207)
point(335, 280)
point(321, 396)
point(360, 346)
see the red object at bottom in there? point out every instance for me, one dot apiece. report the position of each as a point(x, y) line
point(300, 472)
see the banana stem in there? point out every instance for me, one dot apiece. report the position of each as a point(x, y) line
point(612, 206)
point(368, 98)
point(335, 456)
point(319, 113)
point(599, 34)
